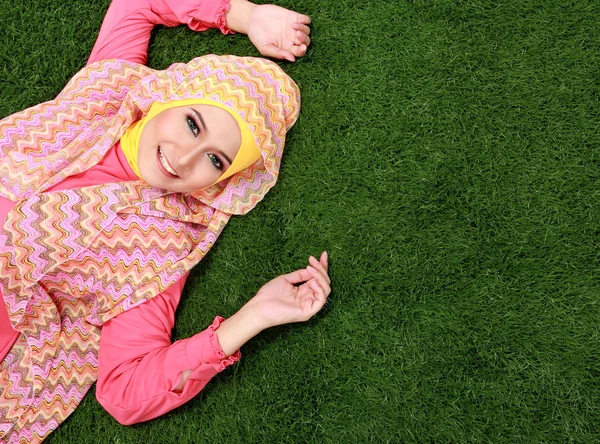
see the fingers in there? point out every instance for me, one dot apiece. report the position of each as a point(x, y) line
point(301, 36)
point(324, 259)
point(316, 284)
point(320, 267)
point(287, 55)
point(320, 293)
point(277, 53)
point(301, 39)
point(302, 28)
point(298, 276)
point(298, 51)
point(321, 279)
point(283, 54)
point(316, 270)
point(302, 19)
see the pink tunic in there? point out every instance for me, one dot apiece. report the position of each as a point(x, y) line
point(139, 366)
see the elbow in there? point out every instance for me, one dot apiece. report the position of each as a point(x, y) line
point(124, 415)
point(128, 409)
point(118, 413)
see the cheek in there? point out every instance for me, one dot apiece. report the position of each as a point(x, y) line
point(168, 125)
point(163, 129)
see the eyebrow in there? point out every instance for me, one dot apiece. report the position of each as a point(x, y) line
point(201, 120)
point(205, 129)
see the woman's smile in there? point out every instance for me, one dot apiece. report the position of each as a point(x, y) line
point(164, 163)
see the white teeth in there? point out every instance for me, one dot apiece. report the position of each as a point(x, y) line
point(165, 164)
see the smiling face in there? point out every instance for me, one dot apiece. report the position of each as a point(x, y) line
point(187, 148)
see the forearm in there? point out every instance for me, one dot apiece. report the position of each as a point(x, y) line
point(238, 16)
point(237, 330)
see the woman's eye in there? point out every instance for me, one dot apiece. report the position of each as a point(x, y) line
point(216, 162)
point(193, 126)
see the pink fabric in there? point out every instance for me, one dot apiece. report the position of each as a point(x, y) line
point(112, 168)
point(8, 335)
point(125, 32)
point(139, 366)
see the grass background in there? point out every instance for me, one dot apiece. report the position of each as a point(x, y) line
point(447, 157)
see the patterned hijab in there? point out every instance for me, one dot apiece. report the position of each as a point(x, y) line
point(70, 260)
point(89, 116)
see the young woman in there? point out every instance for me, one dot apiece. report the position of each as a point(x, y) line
point(113, 191)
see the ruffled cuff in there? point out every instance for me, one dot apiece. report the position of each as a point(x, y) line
point(218, 18)
point(221, 19)
point(205, 354)
point(225, 361)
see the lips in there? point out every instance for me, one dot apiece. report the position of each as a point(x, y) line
point(164, 163)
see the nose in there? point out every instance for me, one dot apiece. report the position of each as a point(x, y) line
point(187, 153)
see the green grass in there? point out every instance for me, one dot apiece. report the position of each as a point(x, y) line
point(448, 158)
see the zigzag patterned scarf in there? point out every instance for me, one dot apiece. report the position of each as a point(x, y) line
point(71, 260)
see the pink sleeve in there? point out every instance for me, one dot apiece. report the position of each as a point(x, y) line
point(125, 31)
point(139, 366)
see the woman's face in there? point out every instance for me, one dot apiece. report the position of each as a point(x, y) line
point(187, 148)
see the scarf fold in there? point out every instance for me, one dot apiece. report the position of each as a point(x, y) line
point(70, 260)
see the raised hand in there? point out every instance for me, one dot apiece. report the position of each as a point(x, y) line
point(278, 32)
point(293, 297)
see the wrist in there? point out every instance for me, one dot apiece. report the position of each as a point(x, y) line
point(238, 16)
point(249, 317)
point(236, 330)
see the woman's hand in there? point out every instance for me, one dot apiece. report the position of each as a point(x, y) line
point(276, 32)
point(293, 297)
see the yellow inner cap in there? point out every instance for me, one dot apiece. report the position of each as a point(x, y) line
point(246, 155)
